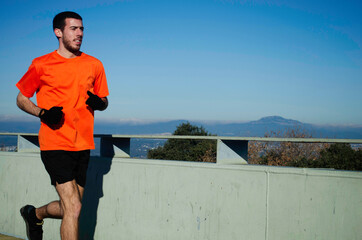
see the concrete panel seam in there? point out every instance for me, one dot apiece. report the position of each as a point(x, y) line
point(267, 207)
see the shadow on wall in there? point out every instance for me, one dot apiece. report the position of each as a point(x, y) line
point(93, 191)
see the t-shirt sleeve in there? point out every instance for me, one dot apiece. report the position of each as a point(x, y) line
point(100, 84)
point(30, 82)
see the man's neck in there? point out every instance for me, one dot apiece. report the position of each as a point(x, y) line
point(67, 54)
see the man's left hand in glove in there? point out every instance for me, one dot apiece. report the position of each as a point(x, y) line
point(95, 102)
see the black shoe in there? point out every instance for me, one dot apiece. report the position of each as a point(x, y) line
point(34, 228)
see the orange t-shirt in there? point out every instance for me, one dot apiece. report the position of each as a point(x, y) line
point(64, 82)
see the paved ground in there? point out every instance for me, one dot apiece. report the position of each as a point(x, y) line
point(4, 237)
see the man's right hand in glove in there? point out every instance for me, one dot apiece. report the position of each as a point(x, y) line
point(52, 116)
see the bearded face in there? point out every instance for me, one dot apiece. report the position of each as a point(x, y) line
point(72, 35)
point(72, 44)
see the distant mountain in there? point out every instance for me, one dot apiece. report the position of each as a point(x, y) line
point(139, 128)
point(254, 128)
point(276, 120)
point(19, 126)
point(248, 129)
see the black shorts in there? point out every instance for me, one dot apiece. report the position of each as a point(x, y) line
point(64, 166)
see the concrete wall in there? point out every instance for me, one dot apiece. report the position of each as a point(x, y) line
point(136, 199)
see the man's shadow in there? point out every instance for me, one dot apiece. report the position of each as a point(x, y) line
point(93, 191)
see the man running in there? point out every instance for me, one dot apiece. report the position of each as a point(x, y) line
point(69, 85)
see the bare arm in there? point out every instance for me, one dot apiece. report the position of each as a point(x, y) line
point(25, 104)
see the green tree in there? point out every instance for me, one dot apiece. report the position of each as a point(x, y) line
point(340, 156)
point(186, 149)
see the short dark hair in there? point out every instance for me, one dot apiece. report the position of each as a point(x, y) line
point(59, 19)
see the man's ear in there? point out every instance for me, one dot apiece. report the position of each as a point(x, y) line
point(58, 33)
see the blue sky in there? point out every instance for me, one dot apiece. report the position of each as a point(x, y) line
point(203, 60)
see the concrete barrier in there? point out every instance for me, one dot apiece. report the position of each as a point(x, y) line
point(136, 199)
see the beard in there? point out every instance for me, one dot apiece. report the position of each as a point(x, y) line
point(68, 45)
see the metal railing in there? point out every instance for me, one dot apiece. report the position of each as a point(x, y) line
point(230, 150)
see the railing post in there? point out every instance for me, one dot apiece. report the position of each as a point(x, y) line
point(115, 147)
point(232, 152)
point(28, 143)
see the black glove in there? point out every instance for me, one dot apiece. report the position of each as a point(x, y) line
point(95, 102)
point(51, 116)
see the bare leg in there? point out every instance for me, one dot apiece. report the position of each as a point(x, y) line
point(51, 210)
point(70, 205)
point(54, 209)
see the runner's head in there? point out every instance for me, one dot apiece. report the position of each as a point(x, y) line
point(68, 28)
point(59, 19)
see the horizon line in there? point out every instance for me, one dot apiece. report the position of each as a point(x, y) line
point(144, 121)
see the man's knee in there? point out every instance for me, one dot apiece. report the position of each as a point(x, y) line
point(75, 209)
point(72, 207)
point(70, 199)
